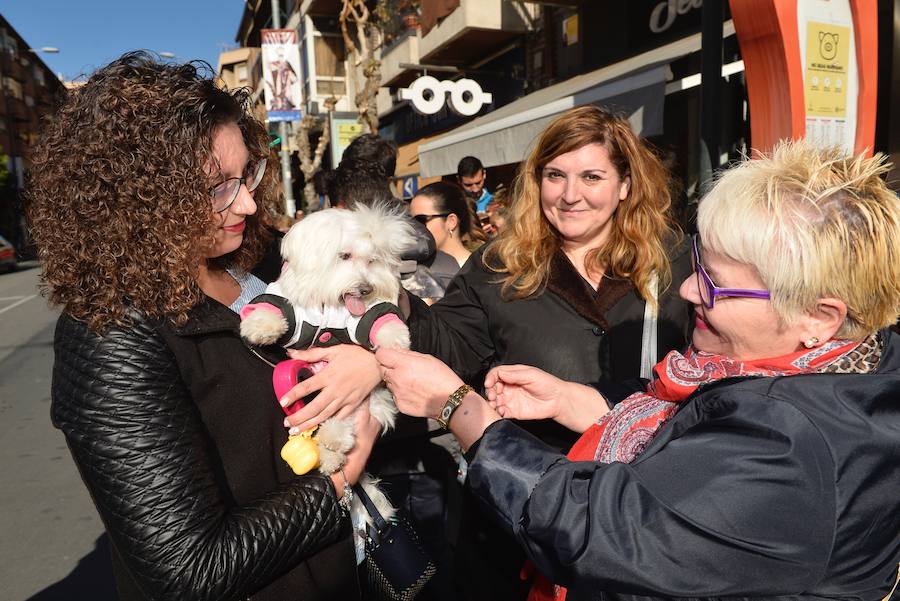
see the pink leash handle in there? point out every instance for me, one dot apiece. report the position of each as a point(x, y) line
point(286, 376)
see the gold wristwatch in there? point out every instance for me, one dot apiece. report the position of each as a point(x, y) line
point(452, 403)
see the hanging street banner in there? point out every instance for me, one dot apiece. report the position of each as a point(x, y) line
point(281, 72)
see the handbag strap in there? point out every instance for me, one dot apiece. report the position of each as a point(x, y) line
point(649, 333)
point(381, 525)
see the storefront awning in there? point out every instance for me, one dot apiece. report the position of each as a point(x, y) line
point(634, 87)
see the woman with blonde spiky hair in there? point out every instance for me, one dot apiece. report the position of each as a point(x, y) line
point(762, 462)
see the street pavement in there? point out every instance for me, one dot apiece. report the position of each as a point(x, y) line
point(51, 540)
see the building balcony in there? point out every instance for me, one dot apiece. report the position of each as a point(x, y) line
point(329, 8)
point(474, 30)
point(404, 50)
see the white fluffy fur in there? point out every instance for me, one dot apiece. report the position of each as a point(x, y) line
point(329, 254)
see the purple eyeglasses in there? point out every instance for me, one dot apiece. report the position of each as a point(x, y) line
point(709, 291)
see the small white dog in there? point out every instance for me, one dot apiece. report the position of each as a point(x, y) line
point(339, 284)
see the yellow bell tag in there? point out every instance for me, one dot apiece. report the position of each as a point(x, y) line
point(301, 452)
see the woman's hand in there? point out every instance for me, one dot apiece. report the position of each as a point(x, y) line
point(523, 392)
point(348, 379)
point(420, 383)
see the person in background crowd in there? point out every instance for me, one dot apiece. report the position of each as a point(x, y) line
point(443, 209)
point(283, 223)
point(471, 175)
point(498, 218)
point(148, 202)
point(320, 184)
point(762, 463)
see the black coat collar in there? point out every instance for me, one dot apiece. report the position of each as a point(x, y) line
point(567, 283)
point(207, 317)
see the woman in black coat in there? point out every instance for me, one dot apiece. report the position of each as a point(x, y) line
point(761, 463)
point(148, 203)
point(578, 284)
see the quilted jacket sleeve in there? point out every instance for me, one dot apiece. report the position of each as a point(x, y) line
point(153, 473)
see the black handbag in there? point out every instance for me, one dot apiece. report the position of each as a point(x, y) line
point(396, 565)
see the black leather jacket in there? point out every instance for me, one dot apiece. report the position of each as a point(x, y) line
point(176, 434)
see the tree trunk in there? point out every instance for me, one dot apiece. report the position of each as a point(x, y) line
point(361, 49)
point(311, 162)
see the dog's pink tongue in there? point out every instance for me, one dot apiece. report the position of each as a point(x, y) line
point(354, 304)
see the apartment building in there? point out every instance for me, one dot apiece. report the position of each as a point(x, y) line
point(30, 90)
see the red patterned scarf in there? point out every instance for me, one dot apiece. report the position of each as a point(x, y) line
point(624, 432)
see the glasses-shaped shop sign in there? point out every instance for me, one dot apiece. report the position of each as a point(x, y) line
point(225, 193)
point(428, 96)
point(708, 290)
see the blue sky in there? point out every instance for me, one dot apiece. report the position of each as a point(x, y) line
point(90, 33)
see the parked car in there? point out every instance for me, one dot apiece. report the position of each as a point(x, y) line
point(7, 255)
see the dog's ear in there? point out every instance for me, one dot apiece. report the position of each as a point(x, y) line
point(315, 240)
point(400, 232)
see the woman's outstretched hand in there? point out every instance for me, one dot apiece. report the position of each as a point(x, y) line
point(523, 392)
point(348, 379)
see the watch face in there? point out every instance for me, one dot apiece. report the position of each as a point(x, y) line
point(445, 414)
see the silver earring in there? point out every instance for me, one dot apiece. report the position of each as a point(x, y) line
point(811, 342)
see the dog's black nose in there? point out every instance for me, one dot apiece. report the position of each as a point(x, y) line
point(365, 290)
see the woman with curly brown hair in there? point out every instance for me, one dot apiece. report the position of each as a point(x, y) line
point(148, 204)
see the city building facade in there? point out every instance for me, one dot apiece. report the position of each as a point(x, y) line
point(30, 91)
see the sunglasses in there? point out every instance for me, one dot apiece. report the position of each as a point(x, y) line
point(424, 219)
point(225, 193)
point(708, 290)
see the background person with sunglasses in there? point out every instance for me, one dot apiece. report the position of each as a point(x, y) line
point(762, 462)
point(443, 209)
point(149, 203)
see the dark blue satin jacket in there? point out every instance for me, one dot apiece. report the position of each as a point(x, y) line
point(771, 488)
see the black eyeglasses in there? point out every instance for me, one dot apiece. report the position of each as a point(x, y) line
point(225, 193)
point(708, 290)
point(424, 219)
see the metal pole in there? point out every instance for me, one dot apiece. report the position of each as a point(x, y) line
point(290, 206)
point(711, 73)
